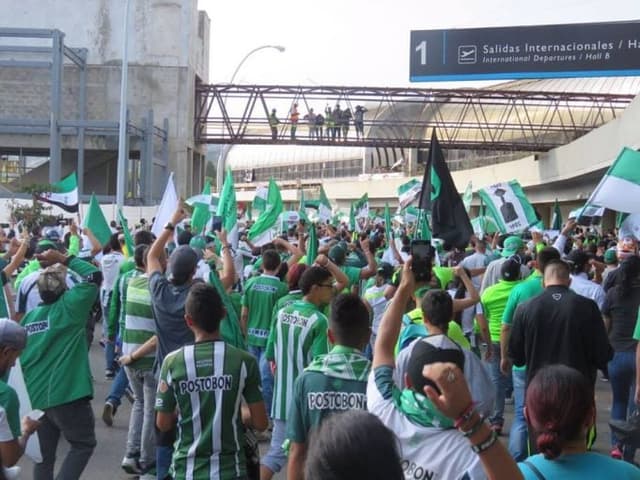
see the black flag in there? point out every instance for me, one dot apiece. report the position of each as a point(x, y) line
point(440, 196)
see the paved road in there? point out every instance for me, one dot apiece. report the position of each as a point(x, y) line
point(105, 462)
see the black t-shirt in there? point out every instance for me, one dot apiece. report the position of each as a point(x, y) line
point(623, 313)
point(559, 327)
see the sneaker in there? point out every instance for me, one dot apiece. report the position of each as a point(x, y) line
point(131, 465)
point(109, 374)
point(616, 453)
point(108, 412)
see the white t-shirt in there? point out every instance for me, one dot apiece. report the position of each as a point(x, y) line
point(28, 296)
point(375, 296)
point(110, 267)
point(585, 287)
point(426, 452)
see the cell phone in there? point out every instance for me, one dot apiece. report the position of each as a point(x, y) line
point(422, 255)
point(216, 223)
point(35, 414)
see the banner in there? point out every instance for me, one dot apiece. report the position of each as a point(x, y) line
point(408, 192)
point(509, 206)
point(619, 189)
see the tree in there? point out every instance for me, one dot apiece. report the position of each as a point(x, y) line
point(36, 214)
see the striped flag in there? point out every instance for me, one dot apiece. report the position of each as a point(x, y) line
point(63, 194)
point(263, 231)
point(619, 189)
point(408, 192)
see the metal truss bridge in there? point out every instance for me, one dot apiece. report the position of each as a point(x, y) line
point(476, 119)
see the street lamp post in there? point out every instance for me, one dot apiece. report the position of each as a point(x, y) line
point(121, 175)
point(222, 157)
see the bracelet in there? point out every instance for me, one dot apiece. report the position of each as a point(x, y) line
point(486, 444)
point(474, 428)
point(465, 416)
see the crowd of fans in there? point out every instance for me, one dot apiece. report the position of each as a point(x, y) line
point(352, 362)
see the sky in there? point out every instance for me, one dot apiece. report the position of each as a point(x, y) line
point(364, 42)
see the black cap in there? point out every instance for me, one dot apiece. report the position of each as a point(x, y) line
point(510, 270)
point(432, 349)
point(385, 270)
point(577, 259)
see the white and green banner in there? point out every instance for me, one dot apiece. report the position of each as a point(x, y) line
point(630, 227)
point(260, 199)
point(324, 207)
point(408, 192)
point(264, 230)
point(361, 207)
point(64, 194)
point(468, 196)
point(484, 225)
point(509, 206)
point(619, 189)
point(228, 209)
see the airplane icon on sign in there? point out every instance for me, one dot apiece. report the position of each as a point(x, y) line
point(467, 54)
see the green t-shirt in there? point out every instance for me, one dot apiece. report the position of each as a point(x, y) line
point(115, 318)
point(298, 335)
point(260, 296)
point(139, 325)
point(205, 384)
point(11, 405)
point(55, 361)
point(316, 396)
point(494, 300)
point(413, 327)
point(527, 289)
point(353, 275)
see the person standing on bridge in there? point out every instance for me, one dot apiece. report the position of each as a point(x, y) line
point(311, 121)
point(294, 117)
point(273, 124)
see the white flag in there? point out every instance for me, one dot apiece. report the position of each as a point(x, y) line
point(167, 207)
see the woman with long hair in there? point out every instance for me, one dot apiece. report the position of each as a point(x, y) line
point(560, 409)
point(620, 312)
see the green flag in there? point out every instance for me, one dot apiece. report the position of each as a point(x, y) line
point(507, 203)
point(312, 244)
point(423, 232)
point(302, 208)
point(387, 223)
point(128, 240)
point(556, 221)
point(408, 192)
point(201, 213)
point(64, 194)
point(260, 199)
point(94, 220)
point(228, 208)
point(324, 207)
point(352, 219)
point(262, 231)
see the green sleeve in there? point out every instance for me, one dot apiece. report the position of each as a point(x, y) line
point(128, 265)
point(456, 334)
point(74, 245)
point(270, 352)
point(296, 426)
point(114, 308)
point(320, 344)
point(78, 301)
point(81, 267)
point(636, 331)
point(31, 267)
point(510, 309)
point(11, 405)
point(252, 392)
point(165, 397)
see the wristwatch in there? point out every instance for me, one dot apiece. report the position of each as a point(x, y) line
point(169, 226)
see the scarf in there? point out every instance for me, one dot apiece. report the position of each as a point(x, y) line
point(420, 410)
point(342, 362)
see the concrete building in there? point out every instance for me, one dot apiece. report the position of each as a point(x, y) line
point(168, 57)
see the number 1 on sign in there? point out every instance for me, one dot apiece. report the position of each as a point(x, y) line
point(422, 48)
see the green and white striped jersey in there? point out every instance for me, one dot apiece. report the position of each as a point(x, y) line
point(298, 335)
point(139, 325)
point(205, 384)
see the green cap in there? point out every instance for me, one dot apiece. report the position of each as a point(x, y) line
point(511, 246)
point(610, 256)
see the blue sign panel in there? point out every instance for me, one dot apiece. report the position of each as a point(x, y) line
point(547, 51)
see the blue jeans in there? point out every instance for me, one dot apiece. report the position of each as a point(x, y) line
point(266, 376)
point(118, 386)
point(622, 374)
point(275, 458)
point(501, 384)
point(518, 437)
